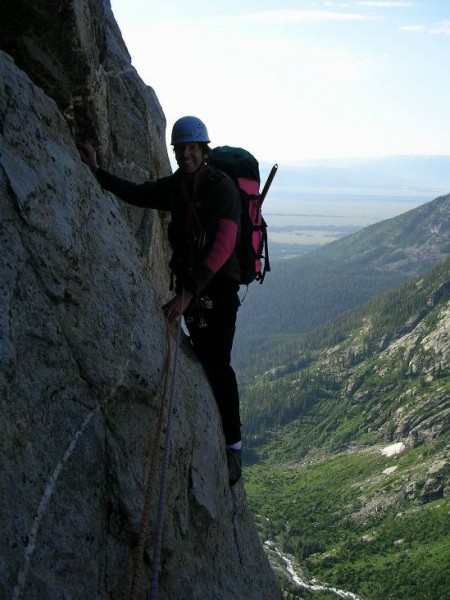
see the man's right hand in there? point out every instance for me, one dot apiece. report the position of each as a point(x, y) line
point(176, 307)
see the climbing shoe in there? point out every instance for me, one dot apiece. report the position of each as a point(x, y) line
point(234, 460)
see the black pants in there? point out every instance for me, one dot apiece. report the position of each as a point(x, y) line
point(212, 333)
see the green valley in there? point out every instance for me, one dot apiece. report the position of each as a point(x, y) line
point(347, 426)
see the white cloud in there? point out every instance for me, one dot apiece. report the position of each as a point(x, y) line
point(442, 28)
point(413, 28)
point(302, 16)
point(387, 4)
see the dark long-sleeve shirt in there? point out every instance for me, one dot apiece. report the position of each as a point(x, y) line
point(204, 229)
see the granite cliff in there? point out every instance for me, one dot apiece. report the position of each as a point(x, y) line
point(83, 344)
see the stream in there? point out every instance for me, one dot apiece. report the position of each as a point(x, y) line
point(288, 567)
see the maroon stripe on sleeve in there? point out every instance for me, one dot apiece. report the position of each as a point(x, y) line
point(223, 245)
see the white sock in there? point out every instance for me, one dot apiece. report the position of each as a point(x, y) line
point(236, 446)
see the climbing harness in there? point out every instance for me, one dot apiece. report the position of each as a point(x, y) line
point(197, 312)
point(168, 401)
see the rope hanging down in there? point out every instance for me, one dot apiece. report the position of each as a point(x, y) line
point(156, 563)
point(168, 399)
point(151, 480)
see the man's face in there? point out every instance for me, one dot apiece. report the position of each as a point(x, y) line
point(189, 156)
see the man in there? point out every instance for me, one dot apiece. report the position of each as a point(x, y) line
point(204, 231)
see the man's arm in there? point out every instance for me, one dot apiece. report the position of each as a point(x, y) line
point(146, 195)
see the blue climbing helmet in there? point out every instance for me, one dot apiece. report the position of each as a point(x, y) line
point(189, 129)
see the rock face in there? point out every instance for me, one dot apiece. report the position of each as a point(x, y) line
point(84, 349)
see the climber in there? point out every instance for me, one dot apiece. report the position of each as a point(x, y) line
point(203, 233)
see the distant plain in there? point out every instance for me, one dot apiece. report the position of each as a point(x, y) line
point(316, 203)
point(297, 226)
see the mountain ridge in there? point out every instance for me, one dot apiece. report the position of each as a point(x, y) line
point(415, 173)
point(370, 261)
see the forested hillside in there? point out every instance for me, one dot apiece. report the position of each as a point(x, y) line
point(303, 293)
point(333, 359)
point(349, 459)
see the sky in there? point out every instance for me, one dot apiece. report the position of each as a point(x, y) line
point(299, 80)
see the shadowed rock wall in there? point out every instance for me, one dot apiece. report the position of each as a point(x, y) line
point(83, 345)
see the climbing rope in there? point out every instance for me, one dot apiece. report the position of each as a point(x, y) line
point(168, 400)
point(156, 563)
point(151, 479)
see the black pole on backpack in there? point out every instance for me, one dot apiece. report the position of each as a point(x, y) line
point(268, 183)
point(265, 247)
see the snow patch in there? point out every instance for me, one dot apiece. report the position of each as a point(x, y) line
point(389, 470)
point(393, 449)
